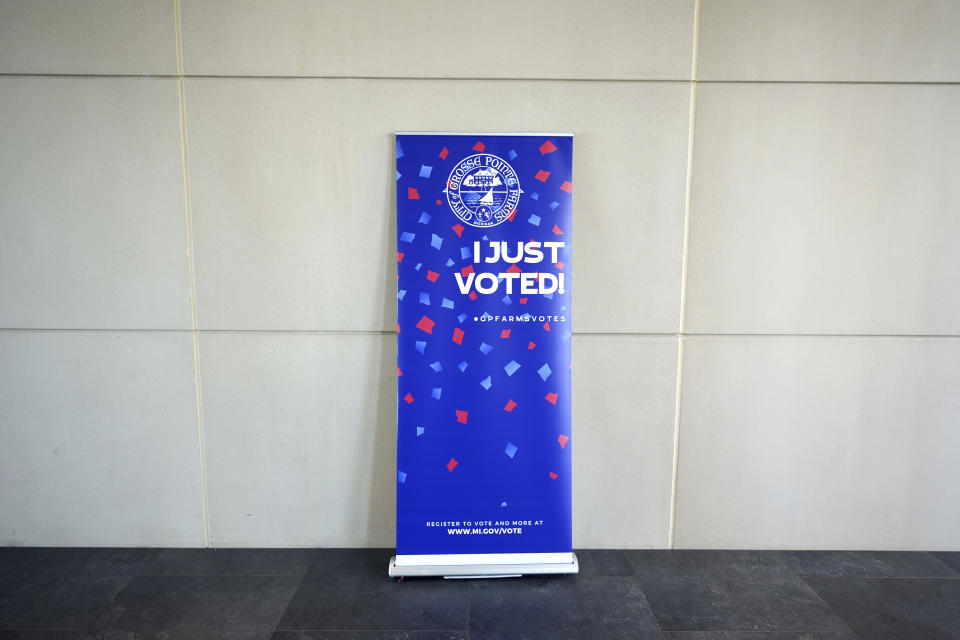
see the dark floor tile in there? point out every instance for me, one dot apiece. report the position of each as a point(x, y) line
point(868, 564)
point(951, 558)
point(232, 562)
point(62, 588)
point(758, 635)
point(348, 589)
point(187, 607)
point(370, 635)
point(40, 635)
point(895, 608)
point(729, 591)
point(603, 562)
point(560, 608)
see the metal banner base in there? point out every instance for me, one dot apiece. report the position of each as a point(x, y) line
point(565, 563)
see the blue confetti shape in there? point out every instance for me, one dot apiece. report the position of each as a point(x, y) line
point(436, 393)
point(566, 336)
point(449, 262)
point(485, 348)
point(421, 345)
point(424, 297)
point(436, 241)
point(417, 268)
point(465, 253)
point(447, 303)
point(436, 366)
point(399, 150)
point(401, 477)
point(535, 196)
point(511, 449)
point(424, 217)
point(506, 300)
point(534, 219)
point(554, 205)
point(512, 154)
point(461, 317)
point(401, 294)
point(462, 366)
point(503, 504)
point(406, 236)
point(486, 383)
point(511, 367)
point(398, 175)
point(544, 371)
point(425, 171)
point(420, 431)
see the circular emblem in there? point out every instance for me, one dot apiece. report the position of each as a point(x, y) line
point(483, 190)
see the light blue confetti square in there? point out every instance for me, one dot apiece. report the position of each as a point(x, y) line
point(436, 241)
point(406, 236)
point(511, 367)
point(447, 303)
point(421, 346)
point(512, 154)
point(425, 171)
point(544, 371)
point(424, 298)
point(548, 296)
point(506, 300)
point(449, 262)
point(424, 217)
point(399, 150)
point(511, 449)
point(566, 336)
point(420, 431)
point(486, 383)
point(398, 175)
point(534, 219)
point(503, 504)
point(436, 393)
point(436, 366)
point(535, 196)
point(461, 317)
point(485, 237)
point(401, 477)
point(401, 294)
point(485, 348)
point(417, 268)
point(463, 366)
point(465, 253)
point(554, 205)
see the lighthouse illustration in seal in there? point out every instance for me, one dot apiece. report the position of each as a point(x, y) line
point(483, 190)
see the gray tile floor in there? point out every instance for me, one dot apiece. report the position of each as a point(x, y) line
point(344, 594)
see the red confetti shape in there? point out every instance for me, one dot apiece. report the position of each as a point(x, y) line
point(546, 326)
point(438, 201)
point(432, 275)
point(513, 213)
point(408, 398)
point(542, 175)
point(511, 405)
point(425, 324)
point(452, 464)
point(398, 328)
point(461, 416)
point(473, 295)
point(551, 398)
point(458, 229)
point(458, 335)
point(553, 476)
point(505, 333)
point(479, 146)
point(443, 153)
point(557, 231)
point(399, 256)
point(547, 147)
point(467, 270)
point(523, 301)
point(399, 373)
point(566, 186)
point(412, 193)
point(563, 441)
point(513, 269)
point(531, 345)
point(559, 265)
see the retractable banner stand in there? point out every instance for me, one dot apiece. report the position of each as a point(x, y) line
point(483, 354)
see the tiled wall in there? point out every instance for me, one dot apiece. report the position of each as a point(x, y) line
point(197, 291)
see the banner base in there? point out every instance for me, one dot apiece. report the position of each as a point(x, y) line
point(499, 566)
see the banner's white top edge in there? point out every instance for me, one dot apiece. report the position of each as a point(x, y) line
point(554, 134)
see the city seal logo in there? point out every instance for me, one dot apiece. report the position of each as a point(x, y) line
point(483, 190)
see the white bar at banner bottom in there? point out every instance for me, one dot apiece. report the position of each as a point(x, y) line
point(482, 564)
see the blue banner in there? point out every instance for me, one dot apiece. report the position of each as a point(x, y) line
point(483, 344)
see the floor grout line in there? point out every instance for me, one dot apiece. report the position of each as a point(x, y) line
point(201, 437)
